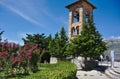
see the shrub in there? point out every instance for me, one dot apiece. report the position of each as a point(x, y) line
point(61, 70)
point(15, 59)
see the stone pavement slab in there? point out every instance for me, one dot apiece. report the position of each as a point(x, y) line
point(91, 75)
point(116, 67)
point(114, 72)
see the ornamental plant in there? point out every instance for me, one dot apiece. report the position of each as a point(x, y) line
point(6, 51)
point(30, 54)
point(16, 59)
point(27, 58)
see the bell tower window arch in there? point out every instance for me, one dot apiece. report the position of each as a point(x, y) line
point(77, 30)
point(72, 31)
point(86, 16)
point(75, 16)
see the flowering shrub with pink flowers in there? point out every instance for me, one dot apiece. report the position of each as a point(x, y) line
point(16, 59)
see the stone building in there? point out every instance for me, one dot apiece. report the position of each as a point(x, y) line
point(79, 12)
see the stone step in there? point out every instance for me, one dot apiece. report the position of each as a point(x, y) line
point(112, 74)
point(117, 70)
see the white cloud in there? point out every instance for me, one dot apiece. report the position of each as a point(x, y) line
point(33, 11)
point(115, 37)
point(112, 37)
point(23, 34)
point(23, 15)
point(26, 9)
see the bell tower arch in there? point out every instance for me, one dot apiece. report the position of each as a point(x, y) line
point(79, 12)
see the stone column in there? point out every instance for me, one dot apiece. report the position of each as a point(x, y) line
point(70, 24)
point(81, 18)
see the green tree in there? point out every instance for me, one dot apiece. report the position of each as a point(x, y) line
point(48, 39)
point(42, 42)
point(63, 43)
point(74, 47)
point(58, 44)
point(51, 48)
point(55, 46)
point(39, 39)
point(89, 43)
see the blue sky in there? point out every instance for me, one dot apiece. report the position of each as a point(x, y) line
point(18, 17)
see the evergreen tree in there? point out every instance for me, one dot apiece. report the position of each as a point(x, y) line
point(48, 39)
point(57, 46)
point(39, 39)
point(42, 42)
point(89, 43)
point(51, 48)
point(63, 43)
point(74, 47)
point(54, 46)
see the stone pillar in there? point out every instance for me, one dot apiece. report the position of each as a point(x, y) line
point(70, 24)
point(81, 18)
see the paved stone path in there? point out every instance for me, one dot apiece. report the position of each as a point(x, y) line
point(104, 71)
point(117, 67)
point(114, 72)
point(94, 74)
point(109, 72)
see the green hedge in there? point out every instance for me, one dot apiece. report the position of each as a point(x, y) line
point(61, 70)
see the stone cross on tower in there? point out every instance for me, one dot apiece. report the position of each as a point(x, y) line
point(79, 12)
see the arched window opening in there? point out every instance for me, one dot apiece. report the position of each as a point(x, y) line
point(73, 31)
point(86, 16)
point(77, 29)
point(76, 16)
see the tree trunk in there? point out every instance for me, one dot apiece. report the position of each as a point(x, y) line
point(89, 64)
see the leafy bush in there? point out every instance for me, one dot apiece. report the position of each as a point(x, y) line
point(61, 70)
point(15, 59)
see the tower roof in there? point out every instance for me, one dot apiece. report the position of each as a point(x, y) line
point(68, 6)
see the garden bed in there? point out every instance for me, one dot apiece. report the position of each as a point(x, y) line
point(61, 70)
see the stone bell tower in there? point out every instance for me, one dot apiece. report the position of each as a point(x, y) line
point(79, 12)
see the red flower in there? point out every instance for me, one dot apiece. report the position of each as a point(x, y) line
point(27, 44)
point(22, 55)
point(35, 46)
point(4, 53)
point(37, 51)
point(17, 59)
point(12, 57)
point(30, 57)
point(29, 52)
